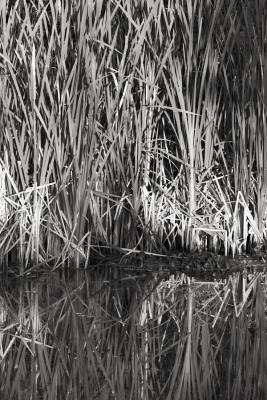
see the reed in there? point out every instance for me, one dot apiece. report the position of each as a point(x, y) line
point(129, 124)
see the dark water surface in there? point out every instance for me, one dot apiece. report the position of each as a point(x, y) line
point(115, 333)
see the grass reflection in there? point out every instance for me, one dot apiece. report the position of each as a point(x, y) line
point(99, 336)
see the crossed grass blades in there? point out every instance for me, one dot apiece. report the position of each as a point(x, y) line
point(131, 124)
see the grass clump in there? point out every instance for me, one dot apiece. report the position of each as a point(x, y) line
point(131, 124)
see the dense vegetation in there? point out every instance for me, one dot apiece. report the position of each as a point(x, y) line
point(131, 124)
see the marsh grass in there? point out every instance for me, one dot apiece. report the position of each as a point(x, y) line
point(130, 124)
point(90, 336)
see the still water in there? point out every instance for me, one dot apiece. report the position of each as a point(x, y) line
point(112, 333)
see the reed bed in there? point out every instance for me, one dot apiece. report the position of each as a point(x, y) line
point(93, 336)
point(131, 124)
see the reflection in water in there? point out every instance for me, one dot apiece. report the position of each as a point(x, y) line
point(110, 335)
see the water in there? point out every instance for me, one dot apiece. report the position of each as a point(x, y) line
point(117, 334)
